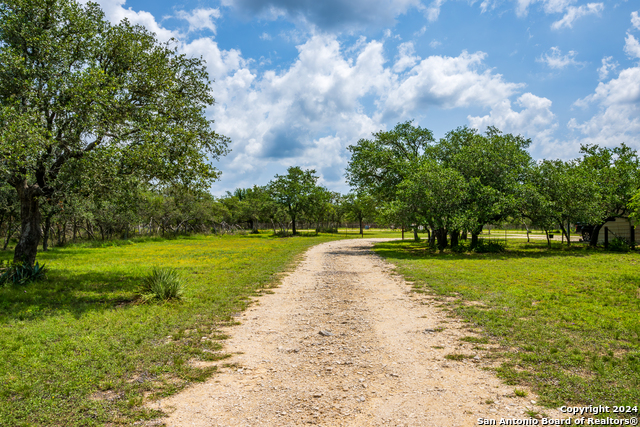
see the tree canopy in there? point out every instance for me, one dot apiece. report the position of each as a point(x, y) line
point(76, 90)
point(296, 191)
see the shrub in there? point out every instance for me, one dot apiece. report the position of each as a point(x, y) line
point(484, 247)
point(21, 274)
point(163, 284)
point(618, 245)
point(460, 249)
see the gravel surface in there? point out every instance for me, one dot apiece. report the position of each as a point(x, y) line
point(344, 342)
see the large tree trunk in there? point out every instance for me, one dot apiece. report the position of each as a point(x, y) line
point(416, 238)
point(475, 234)
point(361, 227)
point(455, 235)
point(30, 232)
point(594, 235)
point(293, 226)
point(441, 235)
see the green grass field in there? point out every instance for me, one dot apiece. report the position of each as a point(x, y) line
point(568, 320)
point(80, 350)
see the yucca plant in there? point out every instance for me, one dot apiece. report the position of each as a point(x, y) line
point(21, 274)
point(163, 284)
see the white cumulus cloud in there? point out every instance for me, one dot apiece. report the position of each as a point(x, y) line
point(549, 6)
point(635, 20)
point(406, 57)
point(535, 118)
point(448, 82)
point(573, 13)
point(433, 10)
point(199, 19)
point(618, 116)
point(555, 59)
point(608, 65)
point(632, 46)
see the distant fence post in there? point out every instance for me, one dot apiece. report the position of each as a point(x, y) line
point(606, 237)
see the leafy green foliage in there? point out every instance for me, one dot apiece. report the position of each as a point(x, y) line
point(360, 207)
point(79, 95)
point(494, 165)
point(616, 172)
point(460, 248)
point(569, 192)
point(296, 191)
point(379, 165)
point(619, 245)
point(437, 195)
point(163, 284)
point(20, 273)
point(489, 246)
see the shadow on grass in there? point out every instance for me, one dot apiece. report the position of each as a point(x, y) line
point(67, 292)
point(364, 250)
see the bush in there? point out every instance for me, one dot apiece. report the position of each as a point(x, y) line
point(460, 249)
point(21, 274)
point(484, 247)
point(618, 245)
point(163, 284)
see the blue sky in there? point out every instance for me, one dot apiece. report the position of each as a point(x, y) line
point(297, 81)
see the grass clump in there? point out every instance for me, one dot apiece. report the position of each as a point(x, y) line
point(20, 274)
point(475, 340)
point(163, 284)
point(458, 356)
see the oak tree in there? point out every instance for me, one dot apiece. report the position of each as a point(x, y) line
point(75, 88)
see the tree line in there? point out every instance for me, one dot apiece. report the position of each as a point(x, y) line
point(447, 189)
point(137, 208)
point(456, 185)
point(103, 133)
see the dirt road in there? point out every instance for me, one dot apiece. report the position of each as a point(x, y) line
point(343, 342)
